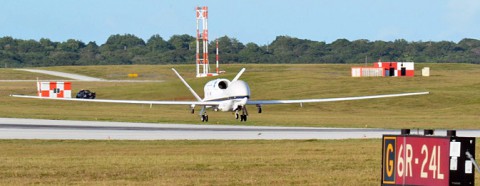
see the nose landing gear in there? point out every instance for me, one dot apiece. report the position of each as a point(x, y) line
point(244, 115)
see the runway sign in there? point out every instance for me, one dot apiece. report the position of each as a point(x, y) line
point(426, 160)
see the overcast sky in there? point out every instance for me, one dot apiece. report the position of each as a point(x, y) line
point(258, 21)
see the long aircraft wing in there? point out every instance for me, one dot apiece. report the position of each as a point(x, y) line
point(198, 103)
point(267, 102)
point(216, 103)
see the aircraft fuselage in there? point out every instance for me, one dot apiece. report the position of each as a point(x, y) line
point(230, 94)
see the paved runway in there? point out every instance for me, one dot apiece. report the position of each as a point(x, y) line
point(12, 128)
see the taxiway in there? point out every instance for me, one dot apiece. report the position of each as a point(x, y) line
point(14, 128)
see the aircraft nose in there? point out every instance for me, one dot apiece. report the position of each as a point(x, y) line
point(239, 88)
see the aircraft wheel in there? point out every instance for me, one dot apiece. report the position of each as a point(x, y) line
point(243, 118)
point(236, 115)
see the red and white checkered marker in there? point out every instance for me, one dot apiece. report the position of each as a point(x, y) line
point(54, 89)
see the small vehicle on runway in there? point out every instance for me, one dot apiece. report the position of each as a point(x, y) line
point(86, 94)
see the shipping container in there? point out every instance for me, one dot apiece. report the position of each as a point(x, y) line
point(367, 72)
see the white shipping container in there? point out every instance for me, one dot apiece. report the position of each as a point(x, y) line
point(367, 72)
point(356, 72)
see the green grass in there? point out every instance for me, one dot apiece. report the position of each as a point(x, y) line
point(338, 162)
point(452, 104)
point(308, 162)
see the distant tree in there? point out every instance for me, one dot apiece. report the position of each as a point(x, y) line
point(71, 45)
point(229, 47)
point(123, 42)
point(252, 53)
point(182, 50)
point(181, 42)
point(342, 49)
point(25, 46)
point(90, 55)
point(469, 43)
point(8, 44)
point(47, 44)
point(315, 52)
point(129, 49)
point(157, 44)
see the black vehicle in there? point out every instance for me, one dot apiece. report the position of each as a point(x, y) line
point(86, 94)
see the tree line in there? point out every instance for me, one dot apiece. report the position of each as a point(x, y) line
point(180, 49)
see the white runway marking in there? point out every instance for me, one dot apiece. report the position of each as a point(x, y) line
point(76, 77)
point(63, 74)
point(11, 128)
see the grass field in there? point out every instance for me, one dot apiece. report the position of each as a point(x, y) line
point(310, 162)
point(452, 104)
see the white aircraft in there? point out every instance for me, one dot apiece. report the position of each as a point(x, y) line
point(227, 96)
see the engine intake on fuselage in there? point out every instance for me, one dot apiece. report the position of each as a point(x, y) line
point(222, 85)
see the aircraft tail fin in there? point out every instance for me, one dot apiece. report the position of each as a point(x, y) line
point(238, 75)
point(188, 86)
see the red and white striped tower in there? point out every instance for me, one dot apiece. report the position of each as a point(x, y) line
point(216, 57)
point(202, 36)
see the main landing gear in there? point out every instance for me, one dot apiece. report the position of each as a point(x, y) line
point(203, 114)
point(204, 117)
point(244, 115)
point(259, 107)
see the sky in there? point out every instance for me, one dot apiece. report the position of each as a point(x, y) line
point(257, 21)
